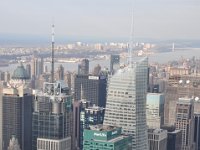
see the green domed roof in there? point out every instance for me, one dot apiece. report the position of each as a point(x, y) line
point(20, 73)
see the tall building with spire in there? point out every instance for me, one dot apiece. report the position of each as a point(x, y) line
point(126, 102)
point(52, 116)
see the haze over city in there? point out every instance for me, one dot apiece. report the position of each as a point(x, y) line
point(78, 20)
point(100, 75)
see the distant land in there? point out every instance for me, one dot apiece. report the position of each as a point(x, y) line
point(38, 40)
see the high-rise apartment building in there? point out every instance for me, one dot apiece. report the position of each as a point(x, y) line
point(185, 122)
point(94, 88)
point(52, 116)
point(16, 111)
point(83, 67)
point(155, 110)
point(126, 102)
point(105, 138)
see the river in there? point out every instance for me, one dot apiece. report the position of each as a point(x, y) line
point(157, 57)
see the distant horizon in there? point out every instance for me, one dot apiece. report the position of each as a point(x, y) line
point(39, 40)
point(99, 20)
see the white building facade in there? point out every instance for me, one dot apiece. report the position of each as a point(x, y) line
point(49, 144)
point(126, 102)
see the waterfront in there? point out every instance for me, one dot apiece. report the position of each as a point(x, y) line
point(157, 57)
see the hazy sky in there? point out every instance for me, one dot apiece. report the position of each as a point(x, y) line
point(101, 19)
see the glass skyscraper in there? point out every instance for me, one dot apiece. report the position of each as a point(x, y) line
point(126, 102)
point(93, 87)
point(52, 116)
point(155, 110)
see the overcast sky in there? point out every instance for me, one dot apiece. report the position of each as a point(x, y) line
point(101, 19)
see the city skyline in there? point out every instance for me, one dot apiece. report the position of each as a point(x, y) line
point(99, 20)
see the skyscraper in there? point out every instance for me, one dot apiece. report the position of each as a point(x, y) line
point(28, 70)
point(92, 115)
point(52, 116)
point(37, 65)
point(78, 107)
point(84, 116)
point(185, 122)
point(83, 68)
point(126, 102)
point(155, 110)
point(94, 88)
point(16, 111)
point(60, 73)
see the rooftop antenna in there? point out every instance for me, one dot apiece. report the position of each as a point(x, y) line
point(52, 53)
point(131, 42)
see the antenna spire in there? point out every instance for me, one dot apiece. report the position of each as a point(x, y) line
point(52, 53)
point(131, 42)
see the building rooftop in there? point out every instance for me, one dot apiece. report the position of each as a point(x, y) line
point(101, 127)
point(20, 73)
point(185, 100)
point(94, 108)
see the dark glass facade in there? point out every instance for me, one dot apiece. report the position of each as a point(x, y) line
point(197, 131)
point(16, 115)
point(84, 116)
point(52, 116)
point(174, 140)
point(90, 116)
point(94, 89)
